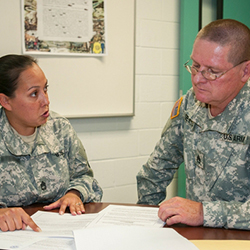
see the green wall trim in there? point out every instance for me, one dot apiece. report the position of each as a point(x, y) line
point(238, 10)
point(189, 26)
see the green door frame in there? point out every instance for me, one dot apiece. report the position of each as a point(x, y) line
point(238, 10)
point(189, 26)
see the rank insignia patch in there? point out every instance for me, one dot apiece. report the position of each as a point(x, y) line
point(176, 109)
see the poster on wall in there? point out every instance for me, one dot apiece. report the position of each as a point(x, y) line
point(64, 27)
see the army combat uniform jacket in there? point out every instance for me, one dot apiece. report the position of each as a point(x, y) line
point(216, 154)
point(45, 172)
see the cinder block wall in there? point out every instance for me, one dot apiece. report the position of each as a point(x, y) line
point(117, 147)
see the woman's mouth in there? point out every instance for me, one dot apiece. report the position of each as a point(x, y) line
point(46, 114)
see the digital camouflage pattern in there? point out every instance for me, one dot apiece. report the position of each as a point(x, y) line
point(44, 173)
point(216, 154)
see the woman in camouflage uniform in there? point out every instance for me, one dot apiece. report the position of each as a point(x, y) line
point(41, 158)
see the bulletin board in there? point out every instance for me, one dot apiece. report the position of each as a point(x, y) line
point(64, 27)
point(85, 86)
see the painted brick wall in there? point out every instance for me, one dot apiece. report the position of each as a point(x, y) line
point(117, 147)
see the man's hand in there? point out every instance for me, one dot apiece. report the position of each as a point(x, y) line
point(16, 218)
point(180, 210)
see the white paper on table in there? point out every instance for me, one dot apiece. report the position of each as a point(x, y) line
point(52, 224)
point(129, 238)
point(128, 216)
point(11, 240)
point(58, 243)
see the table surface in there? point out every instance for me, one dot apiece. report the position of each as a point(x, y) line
point(191, 233)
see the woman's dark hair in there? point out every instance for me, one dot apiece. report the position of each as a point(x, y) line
point(11, 66)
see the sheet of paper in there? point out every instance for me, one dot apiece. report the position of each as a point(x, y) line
point(128, 216)
point(59, 21)
point(52, 244)
point(129, 238)
point(10, 240)
point(52, 224)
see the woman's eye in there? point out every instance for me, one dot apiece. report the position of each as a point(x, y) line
point(34, 94)
point(46, 89)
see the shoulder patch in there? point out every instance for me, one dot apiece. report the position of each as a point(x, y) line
point(176, 109)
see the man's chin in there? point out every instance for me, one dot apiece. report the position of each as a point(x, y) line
point(200, 96)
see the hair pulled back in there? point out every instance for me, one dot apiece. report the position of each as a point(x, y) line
point(11, 66)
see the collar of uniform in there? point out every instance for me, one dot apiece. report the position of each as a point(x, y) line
point(13, 142)
point(44, 142)
point(47, 141)
point(223, 122)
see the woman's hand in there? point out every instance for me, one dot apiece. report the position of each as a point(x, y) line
point(16, 218)
point(72, 200)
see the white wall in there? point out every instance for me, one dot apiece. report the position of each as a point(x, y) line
point(117, 147)
point(209, 11)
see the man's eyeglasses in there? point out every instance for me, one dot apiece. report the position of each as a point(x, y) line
point(207, 74)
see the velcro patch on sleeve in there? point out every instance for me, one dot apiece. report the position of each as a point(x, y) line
point(176, 109)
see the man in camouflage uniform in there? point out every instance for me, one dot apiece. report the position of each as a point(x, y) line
point(209, 130)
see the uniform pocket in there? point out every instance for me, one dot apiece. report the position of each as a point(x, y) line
point(15, 184)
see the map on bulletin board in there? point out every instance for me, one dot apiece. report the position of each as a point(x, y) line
point(64, 27)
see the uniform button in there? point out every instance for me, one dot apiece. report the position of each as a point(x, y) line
point(43, 185)
point(198, 159)
point(23, 158)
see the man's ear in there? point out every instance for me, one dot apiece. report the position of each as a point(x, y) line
point(4, 101)
point(246, 72)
